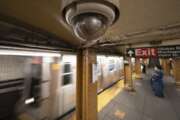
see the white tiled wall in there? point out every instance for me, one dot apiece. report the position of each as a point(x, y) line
point(11, 67)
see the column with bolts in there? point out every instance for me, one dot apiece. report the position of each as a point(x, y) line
point(138, 68)
point(166, 66)
point(128, 72)
point(86, 90)
point(177, 72)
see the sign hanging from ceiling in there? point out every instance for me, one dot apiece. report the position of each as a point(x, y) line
point(131, 52)
point(162, 52)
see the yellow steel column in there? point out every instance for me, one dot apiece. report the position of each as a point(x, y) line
point(79, 88)
point(86, 89)
point(166, 66)
point(168, 69)
point(177, 72)
point(128, 75)
point(138, 68)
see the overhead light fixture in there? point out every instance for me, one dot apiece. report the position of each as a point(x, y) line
point(89, 19)
point(28, 53)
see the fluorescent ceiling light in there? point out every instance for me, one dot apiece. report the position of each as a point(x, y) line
point(29, 53)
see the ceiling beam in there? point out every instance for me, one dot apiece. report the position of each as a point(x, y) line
point(163, 33)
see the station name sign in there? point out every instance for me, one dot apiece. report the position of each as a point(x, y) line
point(162, 52)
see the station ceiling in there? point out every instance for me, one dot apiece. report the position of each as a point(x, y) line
point(141, 21)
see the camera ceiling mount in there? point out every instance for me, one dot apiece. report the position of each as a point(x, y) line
point(90, 18)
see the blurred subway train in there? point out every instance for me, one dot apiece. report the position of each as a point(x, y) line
point(39, 83)
point(110, 70)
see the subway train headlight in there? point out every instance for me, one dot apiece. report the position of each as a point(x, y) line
point(90, 19)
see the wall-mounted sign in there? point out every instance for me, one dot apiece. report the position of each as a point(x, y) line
point(169, 52)
point(94, 73)
point(162, 52)
point(130, 52)
point(146, 52)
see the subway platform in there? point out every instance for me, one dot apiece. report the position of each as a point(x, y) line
point(116, 103)
point(142, 104)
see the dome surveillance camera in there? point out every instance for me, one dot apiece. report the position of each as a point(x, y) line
point(90, 19)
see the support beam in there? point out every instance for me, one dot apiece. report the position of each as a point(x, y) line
point(166, 66)
point(86, 90)
point(138, 68)
point(176, 72)
point(128, 76)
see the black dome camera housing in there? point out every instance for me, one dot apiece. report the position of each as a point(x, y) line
point(90, 19)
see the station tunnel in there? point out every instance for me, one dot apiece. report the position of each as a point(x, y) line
point(89, 60)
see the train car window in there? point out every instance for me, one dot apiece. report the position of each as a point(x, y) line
point(67, 68)
point(67, 79)
point(111, 65)
point(67, 74)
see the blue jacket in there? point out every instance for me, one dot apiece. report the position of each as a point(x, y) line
point(157, 80)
